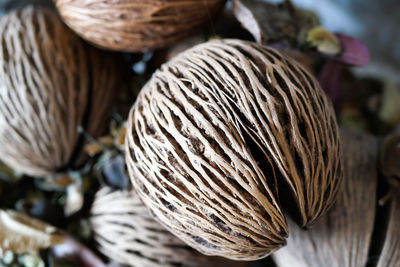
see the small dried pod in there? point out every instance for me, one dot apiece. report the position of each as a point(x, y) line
point(51, 82)
point(356, 232)
point(21, 234)
point(227, 137)
point(138, 25)
point(127, 233)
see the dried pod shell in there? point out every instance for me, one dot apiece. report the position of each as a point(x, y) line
point(138, 25)
point(226, 137)
point(126, 233)
point(21, 234)
point(51, 82)
point(343, 237)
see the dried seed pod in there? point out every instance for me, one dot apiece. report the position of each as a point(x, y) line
point(138, 25)
point(126, 233)
point(51, 82)
point(342, 238)
point(226, 137)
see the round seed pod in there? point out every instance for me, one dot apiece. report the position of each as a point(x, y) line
point(227, 137)
point(51, 82)
point(138, 25)
point(127, 233)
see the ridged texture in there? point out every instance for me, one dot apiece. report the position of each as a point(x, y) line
point(136, 25)
point(342, 238)
point(51, 82)
point(223, 132)
point(390, 255)
point(126, 233)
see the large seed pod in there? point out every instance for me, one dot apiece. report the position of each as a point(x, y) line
point(51, 82)
point(136, 25)
point(225, 138)
point(126, 233)
point(356, 232)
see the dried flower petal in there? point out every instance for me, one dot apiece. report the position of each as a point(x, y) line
point(324, 41)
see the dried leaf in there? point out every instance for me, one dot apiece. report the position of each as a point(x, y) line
point(74, 200)
point(267, 22)
point(324, 41)
point(20, 233)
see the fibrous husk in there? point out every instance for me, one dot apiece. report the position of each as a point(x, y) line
point(139, 25)
point(343, 237)
point(51, 82)
point(226, 137)
point(127, 233)
point(21, 234)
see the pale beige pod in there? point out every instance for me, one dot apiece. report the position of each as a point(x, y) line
point(126, 233)
point(136, 25)
point(224, 139)
point(51, 82)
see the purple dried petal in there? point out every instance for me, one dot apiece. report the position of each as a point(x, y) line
point(354, 52)
point(329, 78)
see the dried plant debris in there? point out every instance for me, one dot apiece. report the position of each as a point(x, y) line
point(324, 41)
point(357, 231)
point(20, 233)
point(268, 22)
point(201, 128)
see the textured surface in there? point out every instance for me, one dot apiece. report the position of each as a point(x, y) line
point(136, 25)
point(225, 137)
point(51, 82)
point(390, 255)
point(127, 233)
point(342, 238)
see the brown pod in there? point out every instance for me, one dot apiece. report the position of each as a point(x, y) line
point(126, 233)
point(51, 82)
point(136, 25)
point(227, 137)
